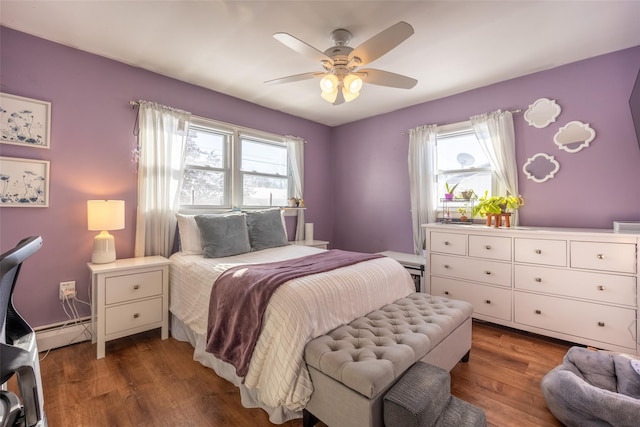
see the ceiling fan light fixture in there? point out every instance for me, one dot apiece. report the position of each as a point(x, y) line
point(352, 83)
point(348, 96)
point(330, 97)
point(329, 83)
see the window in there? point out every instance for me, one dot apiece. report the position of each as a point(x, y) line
point(461, 160)
point(227, 166)
point(264, 172)
point(206, 175)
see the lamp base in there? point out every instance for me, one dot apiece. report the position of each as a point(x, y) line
point(104, 248)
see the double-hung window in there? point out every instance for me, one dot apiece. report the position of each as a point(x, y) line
point(263, 172)
point(206, 180)
point(461, 160)
point(228, 166)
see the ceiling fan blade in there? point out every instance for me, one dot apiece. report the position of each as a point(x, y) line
point(301, 47)
point(294, 78)
point(386, 78)
point(382, 43)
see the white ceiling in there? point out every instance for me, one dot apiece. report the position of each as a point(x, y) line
point(227, 46)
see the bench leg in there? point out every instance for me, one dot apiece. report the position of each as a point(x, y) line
point(465, 358)
point(308, 419)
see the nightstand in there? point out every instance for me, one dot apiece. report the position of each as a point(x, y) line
point(313, 243)
point(129, 296)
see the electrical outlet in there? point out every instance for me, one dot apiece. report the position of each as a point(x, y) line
point(67, 290)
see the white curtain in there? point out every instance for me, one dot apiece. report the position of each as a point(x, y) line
point(497, 139)
point(295, 149)
point(422, 181)
point(162, 143)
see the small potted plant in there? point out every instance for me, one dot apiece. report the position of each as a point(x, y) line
point(496, 204)
point(450, 189)
point(463, 214)
point(467, 194)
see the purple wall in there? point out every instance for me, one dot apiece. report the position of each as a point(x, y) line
point(356, 175)
point(90, 156)
point(593, 187)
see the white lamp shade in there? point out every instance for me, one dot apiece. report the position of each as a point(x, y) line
point(104, 215)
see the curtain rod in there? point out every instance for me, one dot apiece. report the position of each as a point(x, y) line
point(135, 104)
point(516, 111)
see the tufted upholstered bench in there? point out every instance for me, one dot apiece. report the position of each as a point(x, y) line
point(354, 365)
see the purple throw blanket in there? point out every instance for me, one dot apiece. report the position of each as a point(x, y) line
point(240, 295)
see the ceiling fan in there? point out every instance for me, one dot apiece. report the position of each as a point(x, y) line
point(342, 78)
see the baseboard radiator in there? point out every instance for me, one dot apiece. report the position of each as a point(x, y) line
point(60, 334)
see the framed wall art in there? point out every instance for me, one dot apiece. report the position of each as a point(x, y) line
point(24, 182)
point(24, 121)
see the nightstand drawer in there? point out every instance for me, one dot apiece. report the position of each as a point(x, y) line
point(490, 247)
point(604, 256)
point(128, 316)
point(133, 286)
point(539, 251)
point(449, 243)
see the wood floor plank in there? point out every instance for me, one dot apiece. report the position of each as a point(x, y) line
point(146, 381)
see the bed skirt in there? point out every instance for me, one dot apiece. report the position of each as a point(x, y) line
point(248, 397)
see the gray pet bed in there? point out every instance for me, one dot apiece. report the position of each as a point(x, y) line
point(594, 388)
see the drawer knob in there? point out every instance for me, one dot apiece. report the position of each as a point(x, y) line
point(600, 256)
point(136, 287)
point(136, 315)
point(538, 251)
point(601, 288)
point(446, 243)
point(446, 292)
point(487, 301)
point(488, 273)
point(446, 266)
point(601, 324)
point(488, 247)
point(538, 279)
point(538, 311)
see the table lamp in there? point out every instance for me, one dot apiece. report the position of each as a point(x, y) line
point(104, 215)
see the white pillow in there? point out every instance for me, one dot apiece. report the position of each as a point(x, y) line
point(189, 234)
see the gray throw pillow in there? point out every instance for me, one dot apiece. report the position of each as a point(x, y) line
point(223, 235)
point(266, 229)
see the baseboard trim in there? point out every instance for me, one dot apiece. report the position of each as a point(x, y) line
point(57, 335)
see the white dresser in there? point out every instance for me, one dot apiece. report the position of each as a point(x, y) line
point(578, 285)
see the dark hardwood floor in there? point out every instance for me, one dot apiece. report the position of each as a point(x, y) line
point(144, 381)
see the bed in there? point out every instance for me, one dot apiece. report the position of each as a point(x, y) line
point(278, 380)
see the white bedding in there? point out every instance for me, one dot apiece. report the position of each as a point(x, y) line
point(298, 311)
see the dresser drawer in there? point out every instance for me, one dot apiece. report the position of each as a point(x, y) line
point(128, 316)
point(132, 286)
point(490, 247)
point(449, 243)
point(491, 272)
point(582, 319)
point(541, 251)
point(619, 257)
point(486, 300)
point(578, 284)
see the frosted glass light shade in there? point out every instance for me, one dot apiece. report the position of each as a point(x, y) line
point(329, 96)
point(329, 83)
point(104, 215)
point(353, 84)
